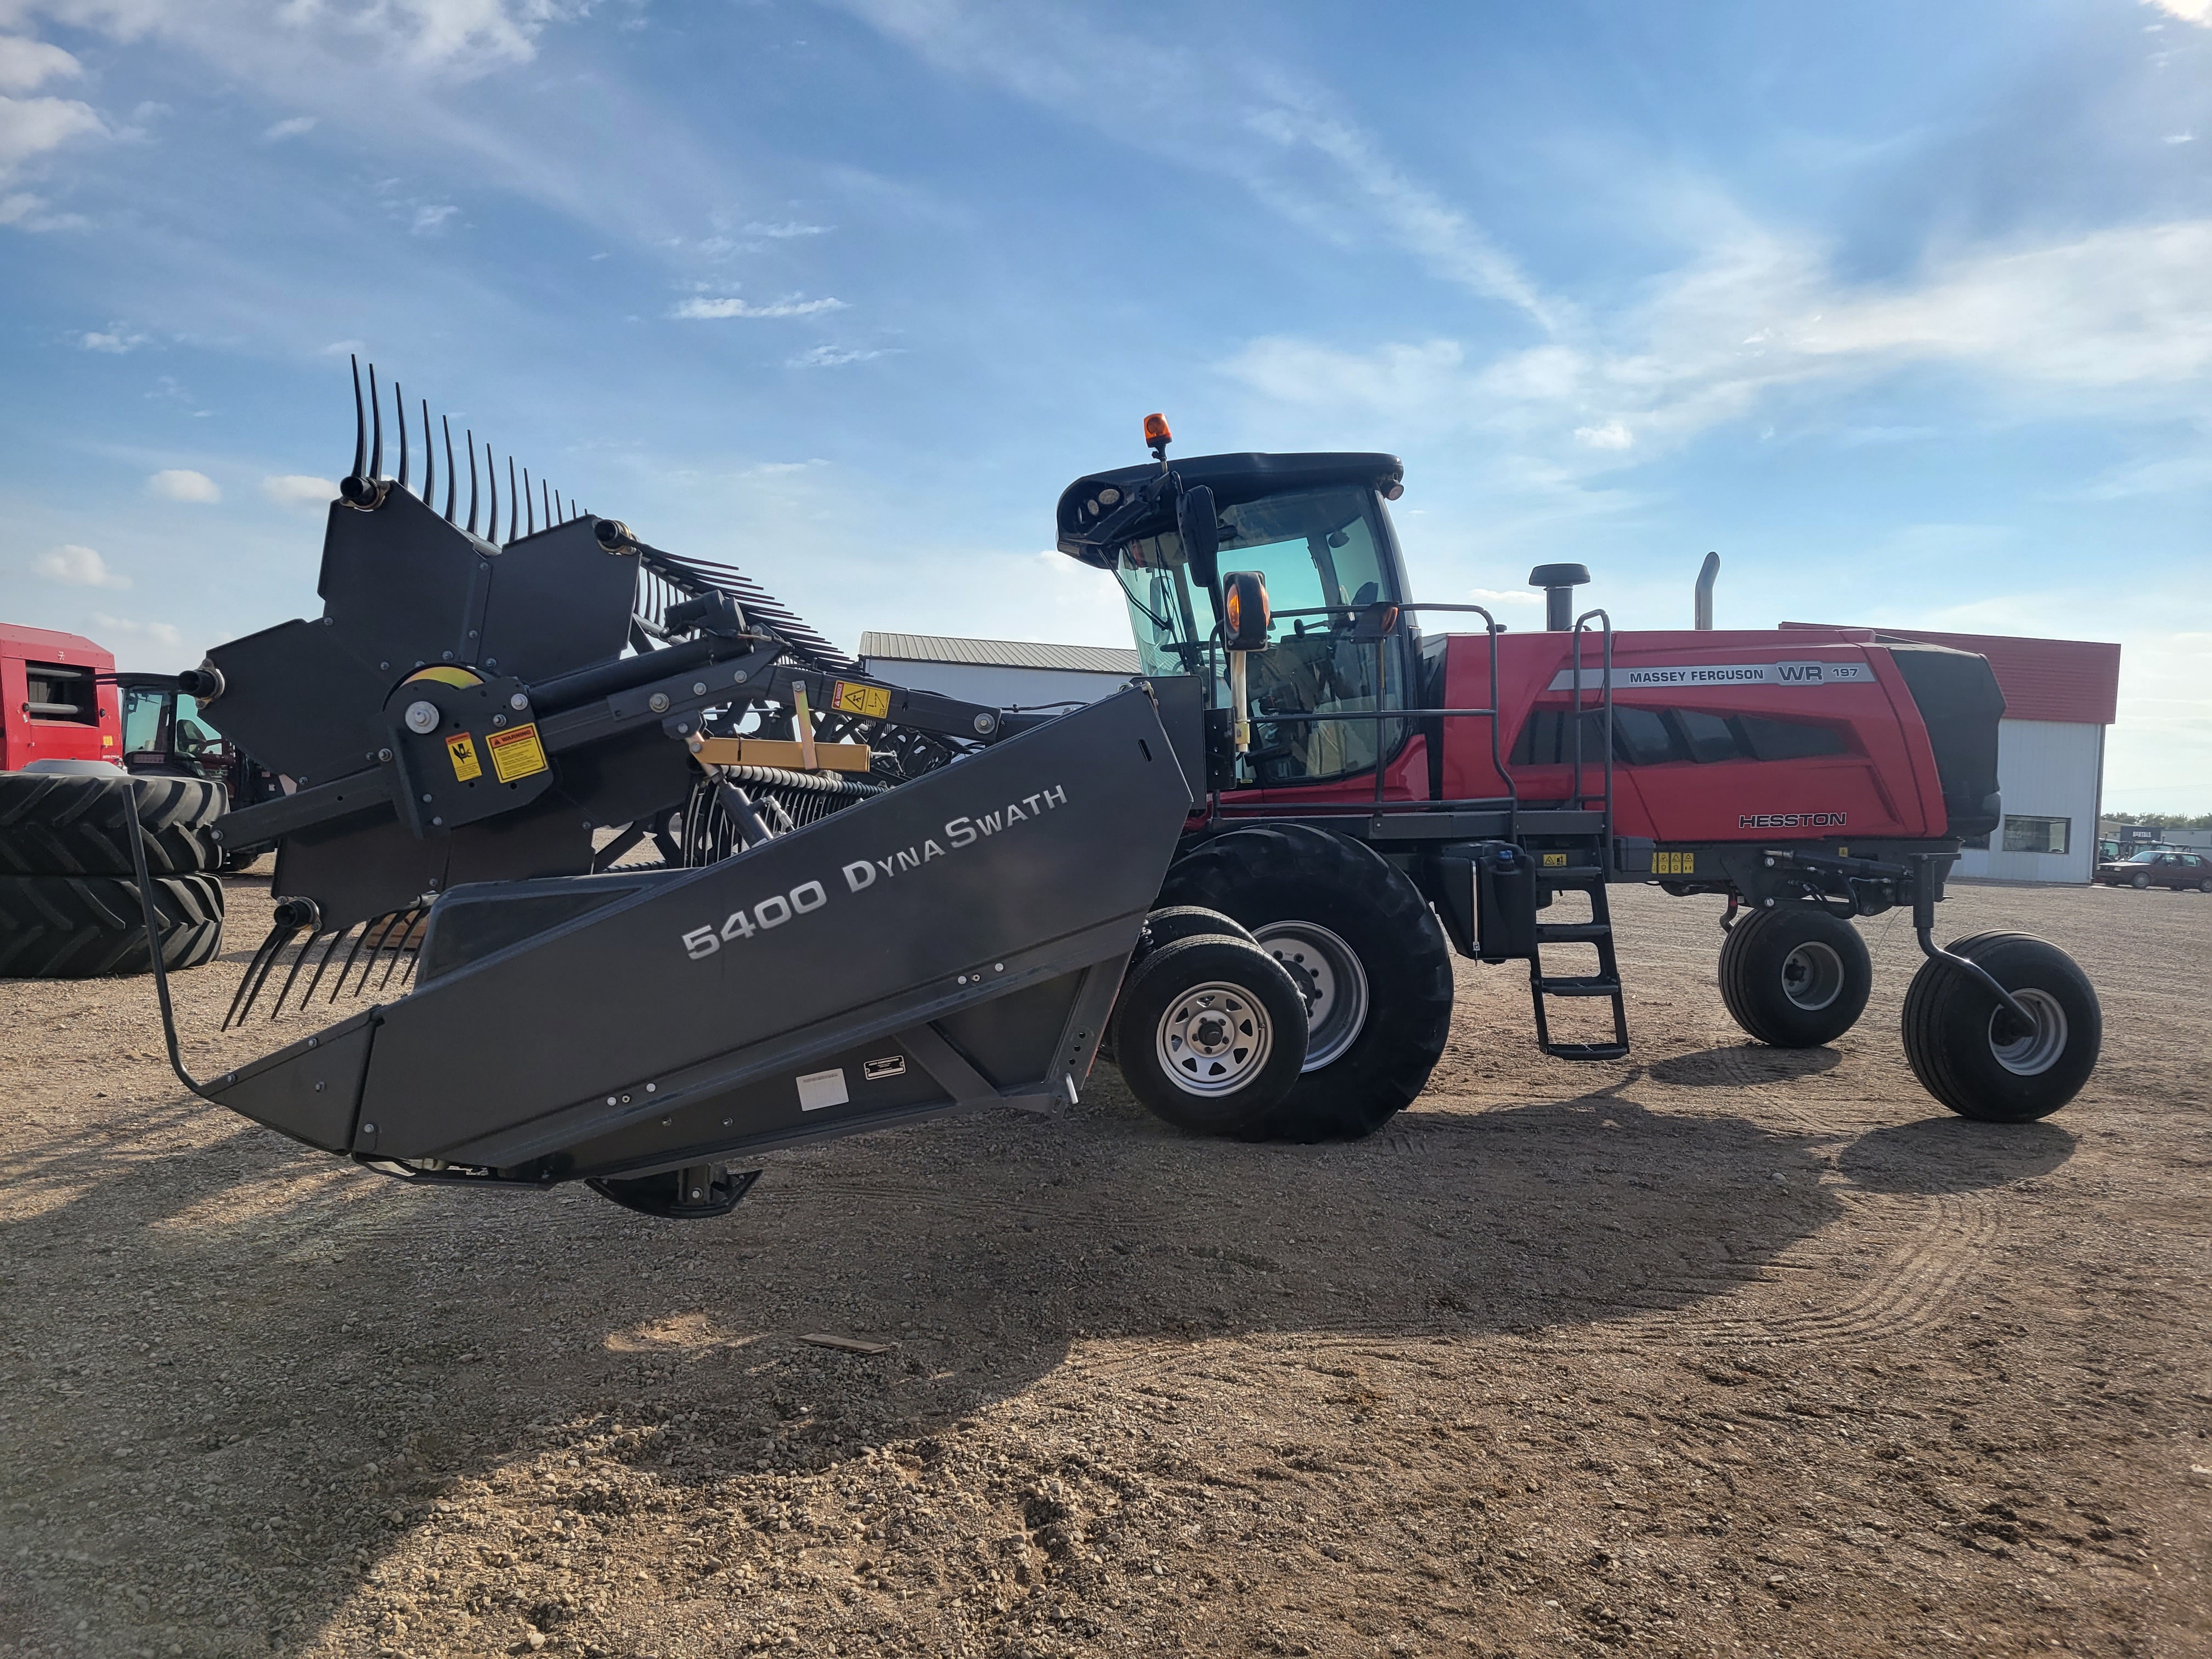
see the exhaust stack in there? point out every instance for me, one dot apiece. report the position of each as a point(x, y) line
point(1559, 582)
point(1701, 617)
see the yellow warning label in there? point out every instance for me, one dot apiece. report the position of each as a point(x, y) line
point(462, 750)
point(1674, 863)
point(1553, 861)
point(516, 754)
point(870, 702)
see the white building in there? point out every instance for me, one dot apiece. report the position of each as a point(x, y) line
point(1003, 673)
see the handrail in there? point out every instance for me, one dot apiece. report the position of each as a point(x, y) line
point(1604, 702)
point(1511, 798)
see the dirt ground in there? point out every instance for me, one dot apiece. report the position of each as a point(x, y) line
point(1718, 1350)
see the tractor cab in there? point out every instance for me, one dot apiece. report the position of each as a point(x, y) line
point(164, 732)
point(1315, 529)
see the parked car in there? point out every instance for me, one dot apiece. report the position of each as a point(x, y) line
point(2156, 868)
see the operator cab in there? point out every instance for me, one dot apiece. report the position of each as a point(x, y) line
point(1315, 527)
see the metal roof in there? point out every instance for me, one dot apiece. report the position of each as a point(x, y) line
point(999, 653)
point(2076, 681)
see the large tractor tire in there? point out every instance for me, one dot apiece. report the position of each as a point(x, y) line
point(52, 824)
point(1210, 1033)
point(1795, 977)
point(83, 927)
point(1974, 1055)
point(1369, 961)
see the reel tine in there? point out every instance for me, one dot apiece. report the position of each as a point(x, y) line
point(452, 477)
point(376, 427)
point(399, 404)
point(238, 997)
point(398, 951)
point(491, 525)
point(298, 962)
point(529, 506)
point(347, 966)
point(329, 950)
point(545, 494)
point(360, 422)
point(472, 480)
point(511, 504)
point(271, 949)
point(429, 461)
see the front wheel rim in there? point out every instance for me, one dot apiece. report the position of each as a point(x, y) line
point(1813, 975)
point(2028, 1052)
point(1213, 1039)
point(1330, 980)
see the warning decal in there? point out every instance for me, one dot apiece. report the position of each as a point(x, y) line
point(870, 702)
point(462, 750)
point(516, 754)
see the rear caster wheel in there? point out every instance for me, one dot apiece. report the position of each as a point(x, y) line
point(1795, 977)
point(1210, 1034)
point(1164, 927)
point(1982, 1061)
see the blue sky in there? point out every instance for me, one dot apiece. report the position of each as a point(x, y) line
point(1904, 309)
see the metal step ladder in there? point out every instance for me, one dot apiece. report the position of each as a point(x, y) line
point(1605, 982)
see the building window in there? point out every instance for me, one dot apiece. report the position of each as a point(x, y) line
point(2036, 835)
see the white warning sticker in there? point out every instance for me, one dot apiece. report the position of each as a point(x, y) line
point(1708, 674)
point(820, 1088)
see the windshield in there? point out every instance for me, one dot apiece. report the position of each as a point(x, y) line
point(1316, 548)
point(2146, 857)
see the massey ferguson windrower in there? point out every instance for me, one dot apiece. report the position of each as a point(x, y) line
point(1240, 877)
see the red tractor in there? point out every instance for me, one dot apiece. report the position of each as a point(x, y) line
point(1376, 792)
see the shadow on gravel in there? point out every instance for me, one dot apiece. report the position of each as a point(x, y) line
point(246, 1372)
point(1955, 1154)
point(1741, 1063)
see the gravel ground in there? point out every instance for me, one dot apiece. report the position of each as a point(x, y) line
point(1721, 1349)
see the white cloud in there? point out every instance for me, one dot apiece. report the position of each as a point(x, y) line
point(31, 126)
point(183, 484)
point(2181, 138)
point(790, 229)
point(25, 63)
point(159, 632)
point(717, 308)
point(2198, 12)
point(429, 220)
point(2122, 313)
point(297, 489)
point(1283, 140)
point(824, 356)
point(78, 567)
point(28, 212)
point(291, 129)
point(116, 339)
point(1504, 596)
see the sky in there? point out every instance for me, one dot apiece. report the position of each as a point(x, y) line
point(1905, 310)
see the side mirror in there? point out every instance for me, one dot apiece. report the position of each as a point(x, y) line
point(1244, 612)
point(1199, 532)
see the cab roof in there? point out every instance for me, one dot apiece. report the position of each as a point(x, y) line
point(1233, 478)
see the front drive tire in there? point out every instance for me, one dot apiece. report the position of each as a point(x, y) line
point(1210, 1033)
point(1971, 1053)
point(2140, 883)
point(1795, 977)
point(1369, 961)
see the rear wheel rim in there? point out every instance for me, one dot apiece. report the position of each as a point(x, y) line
point(2028, 1051)
point(1330, 981)
point(1213, 1039)
point(1813, 975)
